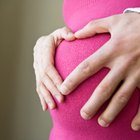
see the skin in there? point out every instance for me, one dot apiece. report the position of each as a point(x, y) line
point(123, 46)
point(48, 80)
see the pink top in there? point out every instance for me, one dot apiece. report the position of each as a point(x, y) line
point(67, 122)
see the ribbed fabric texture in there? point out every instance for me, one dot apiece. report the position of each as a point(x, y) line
point(67, 122)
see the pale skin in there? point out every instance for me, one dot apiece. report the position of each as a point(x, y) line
point(123, 46)
point(48, 80)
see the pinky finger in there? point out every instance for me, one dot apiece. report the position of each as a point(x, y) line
point(43, 103)
point(136, 121)
point(47, 96)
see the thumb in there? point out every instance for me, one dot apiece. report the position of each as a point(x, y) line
point(67, 34)
point(93, 27)
point(63, 33)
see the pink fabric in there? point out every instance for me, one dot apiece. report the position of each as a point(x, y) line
point(67, 122)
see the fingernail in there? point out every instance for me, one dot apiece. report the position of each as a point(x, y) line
point(102, 123)
point(63, 90)
point(136, 127)
point(85, 115)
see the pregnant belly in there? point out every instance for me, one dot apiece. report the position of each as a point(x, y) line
point(67, 122)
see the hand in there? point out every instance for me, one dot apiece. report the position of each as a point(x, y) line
point(48, 79)
point(123, 46)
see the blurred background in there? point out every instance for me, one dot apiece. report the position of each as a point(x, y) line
point(21, 24)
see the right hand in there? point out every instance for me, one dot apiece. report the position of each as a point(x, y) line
point(48, 79)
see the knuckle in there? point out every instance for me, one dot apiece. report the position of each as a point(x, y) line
point(85, 68)
point(104, 89)
point(121, 99)
point(40, 39)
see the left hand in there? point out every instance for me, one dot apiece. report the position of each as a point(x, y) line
point(123, 46)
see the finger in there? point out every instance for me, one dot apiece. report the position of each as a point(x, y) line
point(118, 102)
point(63, 33)
point(54, 76)
point(67, 34)
point(102, 93)
point(47, 97)
point(85, 69)
point(52, 40)
point(136, 121)
point(43, 103)
point(52, 80)
point(94, 27)
point(52, 88)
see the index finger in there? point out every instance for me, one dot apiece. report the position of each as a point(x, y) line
point(85, 69)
